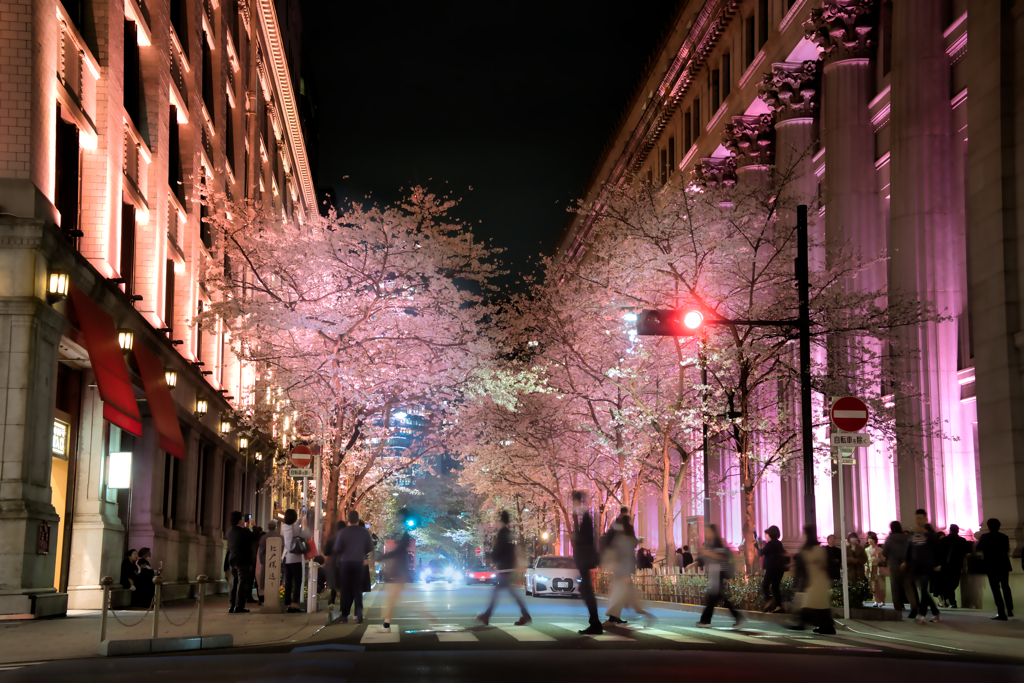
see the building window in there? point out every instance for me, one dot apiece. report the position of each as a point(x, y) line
point(671, 155)
point(748, 40)
point(201, 473)
point(131, 71)
point(127, 268)
point(204, 213)
point(170, 492)
point(696, 120)
point(687, 133)
point(67, 176)
point(762, 15)
point(175, 174)
point(650, 176)
point(208, 80)
point(199, 337)
point(726, 75)
point(169, 297)
point(886, 26)
point(179, 20)
point(716, 100)
point(229, 136)
point(76, 11)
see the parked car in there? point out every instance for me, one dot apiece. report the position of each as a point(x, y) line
point(481, 574)
point(553, 575)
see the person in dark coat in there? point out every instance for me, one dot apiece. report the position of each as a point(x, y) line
point(953, 550)
point(351, 546)
point(504, 558)
point(584, 552)
point(995, 549)
point(921, 559)
point(128, 570)
point(775, 562)
point(331, 566)
point(144, 588)
point(687, 557)
point(834, 557)
point(240, 562)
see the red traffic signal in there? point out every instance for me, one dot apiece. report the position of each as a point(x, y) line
point(669, 323)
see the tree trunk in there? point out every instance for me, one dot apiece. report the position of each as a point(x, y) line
point(749, 514)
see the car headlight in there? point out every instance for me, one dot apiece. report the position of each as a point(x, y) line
point(543, 578)
point(493, 576)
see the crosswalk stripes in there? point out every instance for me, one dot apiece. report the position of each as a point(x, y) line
point(374, 636)
point(613, 637)
point(525, 634)
point(669, 635)
point(730, 635)
point(457, 637)
point(889, 643)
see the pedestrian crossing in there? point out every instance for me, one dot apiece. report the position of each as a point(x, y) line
point(674, 636)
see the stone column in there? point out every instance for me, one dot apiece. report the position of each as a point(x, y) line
point(792, 90)
point(933, 473)
point(751, 139)
point(843, 31)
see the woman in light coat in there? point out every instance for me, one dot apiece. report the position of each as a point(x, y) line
point(874, 569)
point(291, 529)
point(815, 596)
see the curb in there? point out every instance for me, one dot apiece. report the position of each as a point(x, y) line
point(143, 646)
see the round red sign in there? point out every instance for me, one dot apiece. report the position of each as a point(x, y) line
point(849, 414)
point(301, 456)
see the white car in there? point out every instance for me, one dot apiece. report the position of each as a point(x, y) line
point(553, 575)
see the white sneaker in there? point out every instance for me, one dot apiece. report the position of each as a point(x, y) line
point(701, 624)
point(385, 629)
point(937, 619)
point(920, 620)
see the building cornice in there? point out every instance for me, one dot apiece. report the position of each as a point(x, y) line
point(287, 100)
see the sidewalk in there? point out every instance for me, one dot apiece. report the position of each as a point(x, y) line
point(78, 635)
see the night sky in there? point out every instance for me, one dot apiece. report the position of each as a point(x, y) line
point(513, 100)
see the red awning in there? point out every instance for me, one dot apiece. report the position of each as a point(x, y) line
point(165, 416)
point(107, 363)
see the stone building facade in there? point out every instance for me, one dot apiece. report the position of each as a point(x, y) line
point(903, 159)
point(114, 116)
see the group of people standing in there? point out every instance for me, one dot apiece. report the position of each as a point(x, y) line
point(137, 575)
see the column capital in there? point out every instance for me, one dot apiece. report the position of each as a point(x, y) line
point(842, 29)
point(751, 139)
point(791, 89)
point(715, 172)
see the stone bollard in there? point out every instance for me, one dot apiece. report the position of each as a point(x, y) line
point(106, 582)
point(157, 582)
point(202, 579)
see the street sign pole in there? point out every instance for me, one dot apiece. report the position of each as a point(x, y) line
point(305, 509)
point(840, 465)
point(311, 599)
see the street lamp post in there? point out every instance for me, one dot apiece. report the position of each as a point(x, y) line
point(671, 323)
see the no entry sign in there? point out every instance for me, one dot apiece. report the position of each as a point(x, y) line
point(301, 456)
point(849, 414)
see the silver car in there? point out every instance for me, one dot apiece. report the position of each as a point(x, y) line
point(553, 575)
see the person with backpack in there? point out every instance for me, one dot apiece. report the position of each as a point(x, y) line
point(584, 552)
point(295, 547)
point(504, 558)
point(718, 563)
point(775, 562)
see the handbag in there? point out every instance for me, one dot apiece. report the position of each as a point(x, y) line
point(300, 546)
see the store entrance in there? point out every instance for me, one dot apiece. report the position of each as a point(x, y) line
point(64, 469)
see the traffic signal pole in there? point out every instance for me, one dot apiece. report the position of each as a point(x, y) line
point(704, 427)
point(804, 323)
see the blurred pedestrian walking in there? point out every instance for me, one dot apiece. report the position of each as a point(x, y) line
point(775, 562)
point(719, 567)
point(396, 569)
point(953, 552)
point(351, 546)
point(584, 552)
point(921, 560)
point(994, 547)
point(504, 558)
point(621, 540)
point(901, 583)
point(875, 570)
point(814, 586)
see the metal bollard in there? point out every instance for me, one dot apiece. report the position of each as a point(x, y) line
point(202, 579)
point(106, 582)
point(157, 582)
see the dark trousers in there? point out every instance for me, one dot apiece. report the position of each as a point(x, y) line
point(504, 583)
point(771, 587)
point(950, 581)
point(1000, 584)
point(587, 593)
point(819, 618)
point(903, 590)
point(924, 596)
point(241, 587)
point(711, 601)
point(292, 583)
point(350, 576)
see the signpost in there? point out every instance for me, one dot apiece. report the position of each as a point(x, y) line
point(301, 456)
point(300, 472)
point(849, 415)
point(272, 576)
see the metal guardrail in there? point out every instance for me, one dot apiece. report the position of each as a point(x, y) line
point(155, 606)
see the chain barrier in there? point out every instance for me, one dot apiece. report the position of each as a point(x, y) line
point(167, 614)
point(110, 599)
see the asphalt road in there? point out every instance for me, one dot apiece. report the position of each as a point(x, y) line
point(435, 638)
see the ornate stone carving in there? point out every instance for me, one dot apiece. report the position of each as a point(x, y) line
point(791, 89)
point(842, 29)
point(751, 139)
point(715, 173)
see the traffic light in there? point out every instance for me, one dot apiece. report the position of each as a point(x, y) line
point(670, 323)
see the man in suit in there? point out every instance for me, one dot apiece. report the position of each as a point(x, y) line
point(504, 558)
point(240, 562)
point(995, 548)
point(584, 552)
point(952, 551)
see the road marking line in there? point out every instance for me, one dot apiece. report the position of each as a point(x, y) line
point(669, 635)
point(732, 636)
point(373, 635)
point(525, 634)
point(604, 636)
point(457, 637)
point(888, 643)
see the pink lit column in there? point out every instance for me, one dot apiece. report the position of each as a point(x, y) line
point(843, 32)
point(933, 473)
